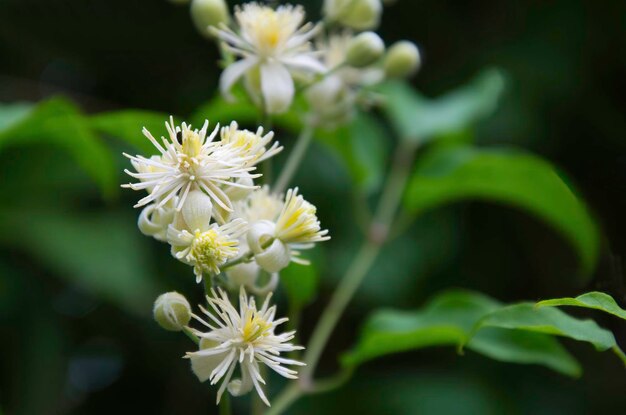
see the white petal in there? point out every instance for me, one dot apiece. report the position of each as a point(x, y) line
point(197, 211)
point(232, 73)
point(275, 257)
point(277, 86)
point(305, 63)
point(202, 366)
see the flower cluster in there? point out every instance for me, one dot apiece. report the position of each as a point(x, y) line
point(203, 195)
point(276, 53)
point(203, 201)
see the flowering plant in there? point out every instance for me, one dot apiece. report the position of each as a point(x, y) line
point(228, 194)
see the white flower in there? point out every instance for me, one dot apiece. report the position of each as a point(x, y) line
point(198, 242)
point(250, 145)
point(274, 46)
point(261, 204)
point(188, 160)
point(246, 337)
point(297, 223)
point(280, 229)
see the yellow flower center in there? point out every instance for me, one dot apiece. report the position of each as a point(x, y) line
point(192, 145)
point(254, 327)
point(268, 28)
point(210, 250)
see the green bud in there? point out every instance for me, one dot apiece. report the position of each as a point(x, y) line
point(206, 13)
point(356, 14)
point(172, 311)
point(402, 60)
point(364, 49)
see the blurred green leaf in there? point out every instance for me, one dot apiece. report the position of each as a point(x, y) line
point(525, 316)
point(13, 113)
point(59, 122)
point(362, 147)
point(300, 283)
point(101, 253)
point(127, 125)
point(417, 118)
point(507, 176)
point(594, 300)
point(448, 320)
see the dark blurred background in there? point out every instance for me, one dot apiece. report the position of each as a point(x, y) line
point(66, 350)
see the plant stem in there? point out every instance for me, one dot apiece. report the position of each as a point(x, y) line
point(225, 405)
point(288, 396)
point(190, 334)
point(294, 160)
point(378, 232)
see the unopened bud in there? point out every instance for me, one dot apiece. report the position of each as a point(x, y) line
point(356, 14)
point(244, 274)
point(172, 311)
point(364, 49)
point(402, 60)
point(207, 13)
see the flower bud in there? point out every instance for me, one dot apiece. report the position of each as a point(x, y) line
point(244, 274)
point(364, 49)
point(356, 14)
point(274, 258)
point(172, 311)
point(402, 60)
point(206, 13)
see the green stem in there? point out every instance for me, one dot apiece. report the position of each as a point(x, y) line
point(358, 269)
point(190, 334)
point(288, 396)
point(225, 408)
point(295, 158)
point(379, 230)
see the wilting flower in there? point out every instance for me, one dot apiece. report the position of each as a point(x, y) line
point(245, 336)
point(188, 160)
point(274, 45)
point(198, 242)
point(283, 229)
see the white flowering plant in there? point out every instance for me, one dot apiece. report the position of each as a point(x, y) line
point(218, 191)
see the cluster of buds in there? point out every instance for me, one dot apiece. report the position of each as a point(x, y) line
point(202, 199)
point(275, 53)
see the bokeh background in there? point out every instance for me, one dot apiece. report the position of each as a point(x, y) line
point(72, 346)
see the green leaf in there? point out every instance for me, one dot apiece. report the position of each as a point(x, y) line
point(507, 176)
point(361, 146)
point(127, 125)
point(525, 316)
point(417, 118)
point(448, 320)
point(58, 122)
point(102, 253)
point(594, 300)
point(13, 113)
